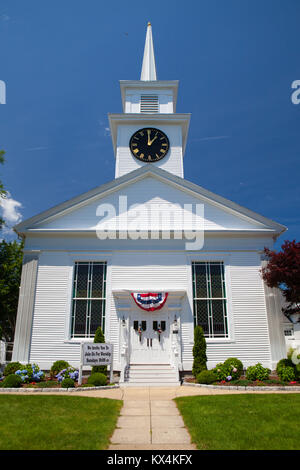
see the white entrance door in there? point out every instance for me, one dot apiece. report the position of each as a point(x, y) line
point(148, 345)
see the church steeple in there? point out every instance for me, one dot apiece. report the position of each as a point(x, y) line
point(148, 68)
point(149, 105)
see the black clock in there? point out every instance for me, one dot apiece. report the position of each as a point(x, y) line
point(149, 145)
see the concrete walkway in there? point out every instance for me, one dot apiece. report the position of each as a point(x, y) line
point(150, 420)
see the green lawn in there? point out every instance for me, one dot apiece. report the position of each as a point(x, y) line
point(56, 422)
point(243, 422)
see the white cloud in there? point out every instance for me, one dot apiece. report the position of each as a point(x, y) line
point(10, 210)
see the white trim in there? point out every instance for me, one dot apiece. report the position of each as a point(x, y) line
point(73, 258)
point(268, 225)
point(225, 259)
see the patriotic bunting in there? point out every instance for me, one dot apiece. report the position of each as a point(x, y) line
point(150, 301)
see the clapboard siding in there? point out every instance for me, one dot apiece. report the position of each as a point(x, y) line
point(249, 335)
point(151, 195)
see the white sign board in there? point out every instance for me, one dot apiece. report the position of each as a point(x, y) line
point(96, 354)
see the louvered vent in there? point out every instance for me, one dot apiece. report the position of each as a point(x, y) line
point(149, 104)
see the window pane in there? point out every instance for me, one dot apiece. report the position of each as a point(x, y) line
point(200, 280)
point(96, 315)
point(219, 322)
point(216, 280)
point(97, 280)
point(82, 280)
point(79, 311)
point(201, 307)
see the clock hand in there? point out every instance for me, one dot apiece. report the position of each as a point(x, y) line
point(151, 142)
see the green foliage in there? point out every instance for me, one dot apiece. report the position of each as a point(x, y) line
point(199, 351)
point(283, 363)
point(12, 367)
point(99, 338)
point(284, 367)
point(241, 382)
point(297, 371)
point(222, 371)
point(12, 381)
point(236, 367)
point(68, 383)
point(97, 379)
point(257, 372)
point(11, 255)
point(206, 377)
point(57, 366)
point(286, 374)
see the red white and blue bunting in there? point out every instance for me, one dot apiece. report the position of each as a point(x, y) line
point(150, 301)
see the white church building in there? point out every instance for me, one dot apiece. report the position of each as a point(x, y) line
point(148, 256)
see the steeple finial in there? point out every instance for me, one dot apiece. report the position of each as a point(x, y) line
point(148, 68)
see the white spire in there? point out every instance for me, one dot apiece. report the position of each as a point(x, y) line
point(148, 68)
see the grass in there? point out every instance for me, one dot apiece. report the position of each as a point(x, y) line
point(56, 423)
point(243, 422)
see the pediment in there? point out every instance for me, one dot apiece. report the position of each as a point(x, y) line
point(151, 189)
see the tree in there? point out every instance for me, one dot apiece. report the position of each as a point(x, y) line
point(199, 351)
point(99, 338)
point(283, 272)
point(11, 254)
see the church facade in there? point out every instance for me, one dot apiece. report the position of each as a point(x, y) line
point(148, 256)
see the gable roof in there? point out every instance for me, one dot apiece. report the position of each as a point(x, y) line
point(136, 175)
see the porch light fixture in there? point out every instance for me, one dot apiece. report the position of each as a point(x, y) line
point(175, 320)
point(123, 321)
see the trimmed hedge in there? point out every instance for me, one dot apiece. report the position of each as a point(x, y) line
point(199, 351)
point(12, 381)
point(12, 367)
point(206, 377)
point(68, 383)
point(97, 379)
point(58, 366)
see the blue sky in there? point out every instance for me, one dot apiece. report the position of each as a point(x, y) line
point(235, 60)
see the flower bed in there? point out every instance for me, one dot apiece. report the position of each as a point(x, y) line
point(18, 377)
point(274, 381)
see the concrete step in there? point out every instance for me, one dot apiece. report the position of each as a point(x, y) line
point(151, 374)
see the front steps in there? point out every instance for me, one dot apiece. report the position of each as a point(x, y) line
point(151, 375)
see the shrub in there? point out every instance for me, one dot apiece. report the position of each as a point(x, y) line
point(12, 381)
point(297, 371)
point(99, 338)
point(68, 373)
point(206, 377)
point(257, 372)
point(12, 367)
point(223, 372)
point(199, 351)
point(286, 374)
point(97, 379)
point(236, 367)
point(284, 363)
point(30, 373)
point(57, 366)
point(68, 383)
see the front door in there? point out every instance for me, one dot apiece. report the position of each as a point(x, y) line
point(149, 338)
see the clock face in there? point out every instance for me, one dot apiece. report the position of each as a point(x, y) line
point(149, 145)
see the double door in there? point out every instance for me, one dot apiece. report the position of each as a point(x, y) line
point(149, 338)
